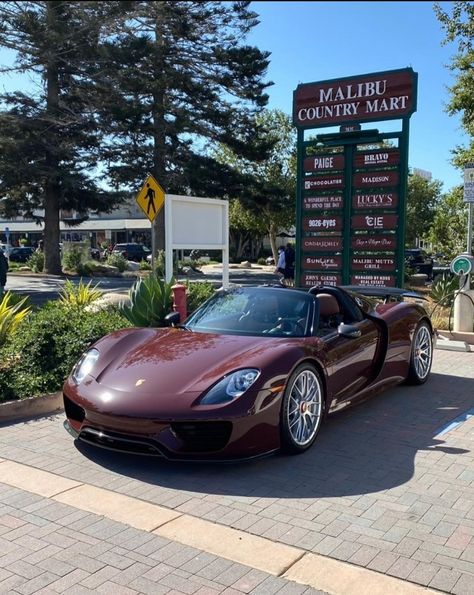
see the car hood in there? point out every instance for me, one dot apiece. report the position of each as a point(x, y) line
point(170, 362)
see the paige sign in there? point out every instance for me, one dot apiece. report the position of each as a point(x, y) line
point(324, 162)
point(362, 98)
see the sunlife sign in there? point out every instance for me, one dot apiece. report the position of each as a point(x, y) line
point(351, 185)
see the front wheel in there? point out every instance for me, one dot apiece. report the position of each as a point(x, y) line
point(302, 409)
point(421, 356)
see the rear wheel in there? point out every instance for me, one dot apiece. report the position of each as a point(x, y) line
point(421, 356)
point(302, 409)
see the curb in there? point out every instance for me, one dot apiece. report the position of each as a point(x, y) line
point(31, 407)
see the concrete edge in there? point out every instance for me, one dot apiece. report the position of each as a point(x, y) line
point(31, 407)
point(276, 558)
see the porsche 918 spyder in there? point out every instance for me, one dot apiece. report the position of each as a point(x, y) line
point(252, 371)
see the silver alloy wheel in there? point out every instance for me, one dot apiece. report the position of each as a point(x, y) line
point(422, 352)
point(304, 407)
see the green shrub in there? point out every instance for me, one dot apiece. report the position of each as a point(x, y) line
point(12, 312)
point(444, 288)
point(151, 300)
point(144, 265)
point(197, 293)
point(42, 352)
point(72, 259)
point(117, 260)
point(80, 295)
point(261, 261)
point(36, 262)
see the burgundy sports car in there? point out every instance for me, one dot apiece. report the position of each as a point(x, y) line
point(253, 370)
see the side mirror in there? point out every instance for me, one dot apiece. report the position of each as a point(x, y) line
point(349, 331)
point(172, 319)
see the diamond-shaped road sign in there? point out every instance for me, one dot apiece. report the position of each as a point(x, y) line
point(151, 198)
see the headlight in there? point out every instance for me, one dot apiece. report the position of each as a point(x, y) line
point(84, 365)
point(230, 387)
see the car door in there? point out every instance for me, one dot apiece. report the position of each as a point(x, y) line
point(351, 361)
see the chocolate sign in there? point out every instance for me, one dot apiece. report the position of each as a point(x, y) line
point(371, 242)
point(322, 262)
point(332, 201)
point(323, 182)
point(374, 221)
point(322, 244)
point(375, 200)
point(311, 279)
point(323, 223)
point(374, 280)
point(377, 158)
point(375, 179)
point(324, 162)
point(368, 263)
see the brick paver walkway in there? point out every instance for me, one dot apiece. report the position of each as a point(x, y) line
point(382, 488)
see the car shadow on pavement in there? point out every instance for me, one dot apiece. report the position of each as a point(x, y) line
point(372, 447)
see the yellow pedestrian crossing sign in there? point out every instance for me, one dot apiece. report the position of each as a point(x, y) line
point(151, 198)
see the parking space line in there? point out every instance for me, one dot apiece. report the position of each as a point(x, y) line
point(452, 425)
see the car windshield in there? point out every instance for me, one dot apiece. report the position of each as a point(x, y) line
point(258, 311)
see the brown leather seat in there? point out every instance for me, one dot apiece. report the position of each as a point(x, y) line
point(329, 311)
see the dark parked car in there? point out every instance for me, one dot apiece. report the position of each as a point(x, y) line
point(20, 254)
point(253, 370)
point(136, 252)
point(419, 261)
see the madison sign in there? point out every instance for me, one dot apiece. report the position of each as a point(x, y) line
point(365, 98)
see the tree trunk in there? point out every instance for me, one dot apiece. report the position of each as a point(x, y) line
point(272, 235)
point(52, 263)
point(159, 133)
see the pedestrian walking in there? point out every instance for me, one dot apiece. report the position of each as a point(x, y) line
point(3, 272)
point(280, 266)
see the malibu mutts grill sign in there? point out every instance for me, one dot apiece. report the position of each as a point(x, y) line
point(363, 98)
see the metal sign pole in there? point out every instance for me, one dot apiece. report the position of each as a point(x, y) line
point(153, 246)
point(469, 228)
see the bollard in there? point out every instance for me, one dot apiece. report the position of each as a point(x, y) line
point(179, 300)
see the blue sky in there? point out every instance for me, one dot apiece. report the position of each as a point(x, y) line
point(314, 41)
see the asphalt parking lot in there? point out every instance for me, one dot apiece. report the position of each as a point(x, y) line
point(388, 488)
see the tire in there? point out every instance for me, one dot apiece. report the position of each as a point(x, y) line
point(302, 410)
point(421, 356)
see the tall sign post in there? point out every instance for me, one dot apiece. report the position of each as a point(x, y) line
point(469, 198)
point(351, 186)
point(151, 199)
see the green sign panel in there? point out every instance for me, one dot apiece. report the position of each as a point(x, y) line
point(351, 191)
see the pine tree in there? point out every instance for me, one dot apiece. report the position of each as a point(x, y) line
point(179, 81)
point(49, 137)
